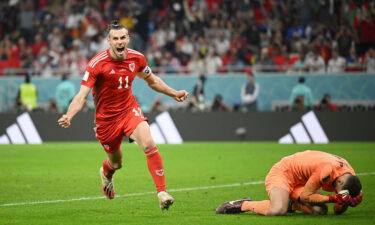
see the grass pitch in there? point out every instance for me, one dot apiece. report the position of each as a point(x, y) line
point(58, 183)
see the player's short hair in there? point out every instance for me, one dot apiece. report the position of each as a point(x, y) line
point(353, 185)
point(115, 25)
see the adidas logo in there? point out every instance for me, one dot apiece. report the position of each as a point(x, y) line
point(164, 130)
point(21, 132)
point(305, 132)
point(112, 71)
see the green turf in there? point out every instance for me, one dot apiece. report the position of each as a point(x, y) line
point(63, 171)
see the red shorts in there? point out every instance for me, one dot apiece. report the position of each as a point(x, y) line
point(110, 135)
point(277, 178)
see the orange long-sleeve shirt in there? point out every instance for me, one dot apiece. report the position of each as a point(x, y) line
point(315, 170)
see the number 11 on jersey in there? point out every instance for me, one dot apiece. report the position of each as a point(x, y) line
point(126, 82)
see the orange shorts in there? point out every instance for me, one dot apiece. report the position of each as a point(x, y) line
point(277, 178)
point(110, 135)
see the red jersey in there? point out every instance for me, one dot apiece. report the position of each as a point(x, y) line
point(111, 81)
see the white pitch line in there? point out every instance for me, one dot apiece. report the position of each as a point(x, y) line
point(149, 192)
point(132, 194)
point(365, 174)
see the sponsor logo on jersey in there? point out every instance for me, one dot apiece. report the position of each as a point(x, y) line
point(132, 66)
point(112, 71)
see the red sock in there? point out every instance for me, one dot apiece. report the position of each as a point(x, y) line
point(108, 169)
point(155, 166)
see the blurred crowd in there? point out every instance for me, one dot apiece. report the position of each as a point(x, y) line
point(191, 36)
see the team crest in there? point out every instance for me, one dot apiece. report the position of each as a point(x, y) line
point(132, 66)
point(160, 172)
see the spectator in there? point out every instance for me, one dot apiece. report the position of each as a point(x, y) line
point(27, 95)
point(301, 89)
point(315, 63)
point(52, 106)
point(353, 61)
point(236, 64)
point(38, 44)
point(219, 105)
point(171, 63)
point(157, 105)
point(197, 64)
point(326, 104)
point(281, 59)
point(298, 103)
point(198, 93)
point(249, 93)
point(345, 39)
point(300, 65)
point(192, 105)
point(366, 28)
point(27, 15)
point(336, 64)
point(187, 46)
point(213, 63)
point(266, 62)
point(235, 30)
point(369, 61)
point(64, 93)
point(221, 43)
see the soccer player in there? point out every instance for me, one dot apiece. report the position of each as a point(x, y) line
point(294, 183)
point(110, 75)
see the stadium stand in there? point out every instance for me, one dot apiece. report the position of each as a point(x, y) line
point(49, 37)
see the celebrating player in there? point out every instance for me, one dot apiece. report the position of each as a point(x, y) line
point(110, 75)
point(294, 184)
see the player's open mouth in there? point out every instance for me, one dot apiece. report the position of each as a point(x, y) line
point(120, 50)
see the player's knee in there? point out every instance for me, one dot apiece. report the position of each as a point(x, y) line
point(147, 144)
point(277, 211)
point(320, 209)
point(116, 165)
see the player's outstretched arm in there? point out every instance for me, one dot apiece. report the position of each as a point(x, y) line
point(75, 106)
point(159, 85)
point(311, 194)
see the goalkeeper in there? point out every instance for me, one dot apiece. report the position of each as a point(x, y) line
point(295, 182)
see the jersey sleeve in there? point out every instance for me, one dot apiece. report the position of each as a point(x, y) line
point(320, 177)
point(144, 70)
point(90, 77)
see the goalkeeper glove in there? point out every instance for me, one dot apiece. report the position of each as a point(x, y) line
point(339, 198)
point(355, 201)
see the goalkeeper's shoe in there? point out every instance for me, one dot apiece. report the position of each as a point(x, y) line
point(232, 207)
point(165, 200)
point(107, 185)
